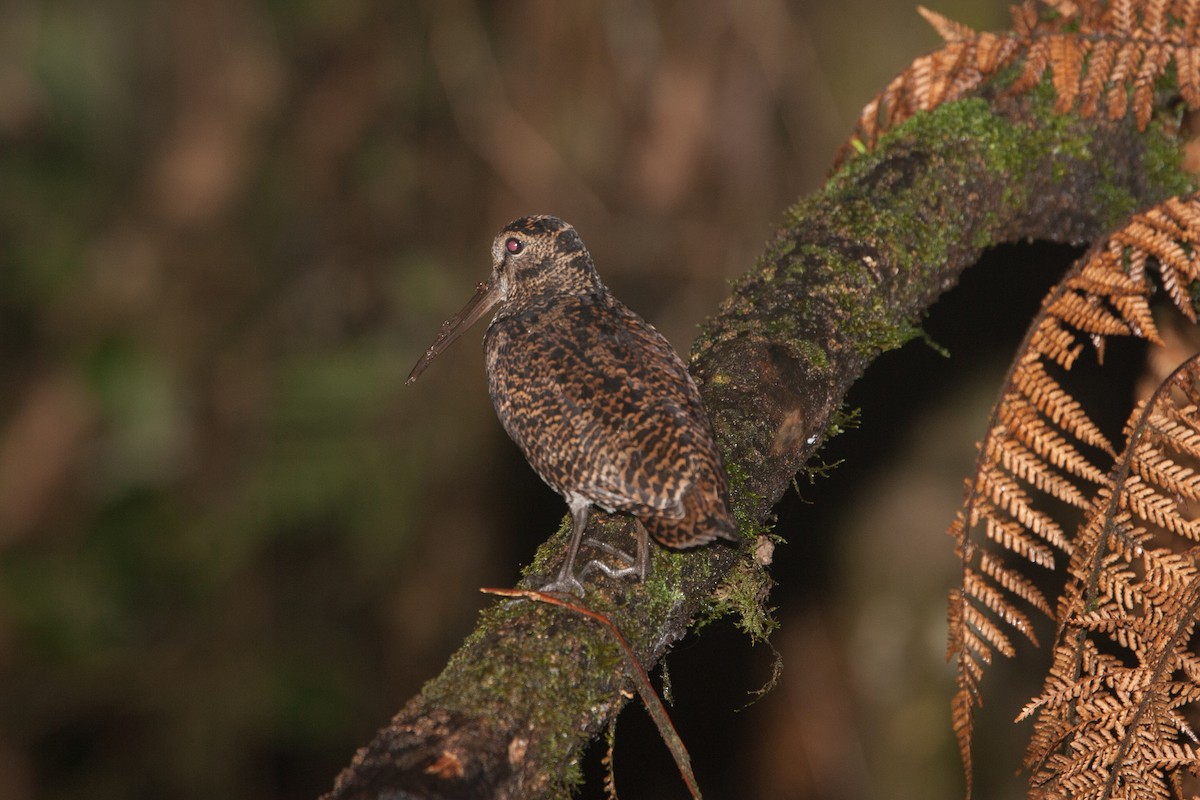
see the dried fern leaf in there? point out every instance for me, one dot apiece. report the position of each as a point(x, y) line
point(988, 630)
point(1053, 341)
point(1187, 71)
point(1088, 314)
point(1022, 421)
point(1011, 535)
point(946, 28)
point(1111, 54)
point(1032, 453)
point(1188, 13)
point(1154, 17)
point(1059, 692)
point(1037, 61)
point(1182, 430)
point(1066, 53)
point(1033, 469)
point(1110, 724)
point(1014, 583)
point(1064, 411)
point(996, 601)
point(962, 719)
point(1025, 19)
point(1159, 470)
point(1154, 63)
point(1125, 64)
point(992, 51)
point(1153, 236)
point(1095, 80)
point(1157, 509)
point(1136, 312)
point(1120, 591)
point(1005, 493)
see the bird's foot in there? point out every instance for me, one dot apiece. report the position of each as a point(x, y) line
point(633, 565)
point(615, 552)
point(611, 571)
point(564, 584)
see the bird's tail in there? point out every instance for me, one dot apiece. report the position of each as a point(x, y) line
point(706, 517)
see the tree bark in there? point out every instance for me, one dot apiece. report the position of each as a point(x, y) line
point(847, 277)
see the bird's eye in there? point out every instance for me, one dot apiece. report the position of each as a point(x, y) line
point(514, 246)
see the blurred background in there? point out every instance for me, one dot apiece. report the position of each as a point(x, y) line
point(233, 543)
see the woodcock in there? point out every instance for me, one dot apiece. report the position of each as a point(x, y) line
point(595, 397)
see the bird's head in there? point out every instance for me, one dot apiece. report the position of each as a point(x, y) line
point(541, 257)
point(534, 260)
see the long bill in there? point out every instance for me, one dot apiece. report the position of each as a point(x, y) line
point(480, 303)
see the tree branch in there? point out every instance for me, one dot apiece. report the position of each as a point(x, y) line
point(848, 277)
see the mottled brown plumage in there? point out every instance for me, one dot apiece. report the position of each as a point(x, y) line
point(594, 396)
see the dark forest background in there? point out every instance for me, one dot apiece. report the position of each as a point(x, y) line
point(232, 542)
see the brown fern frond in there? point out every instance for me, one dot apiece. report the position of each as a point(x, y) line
point(1062, 410)
point(1110, 725)
point(1031, 429)
point(992, 52)
point(1058, 691)
point(1055, 343)
point(1025, 19)
point(1033, 469)
point(1154, 64)
point(1015, 583)
point(1187, 71)
point(963, 719)
point(989, 634)
point(1146, 502)
point(1037, 61)
point(946, 28)
point(1042, 449)
point(1011, 535)
point(1007, 495)
point(1095, 80)
point(1170, 234)
point(1183, 431)
point(965, 61)
point(1088, 314)
point(1129, 54)
point(996, 601)
point(1188, 13)
point(1136, 310)
point(1097, 54)
point(1160, 470)
point(1066, 52)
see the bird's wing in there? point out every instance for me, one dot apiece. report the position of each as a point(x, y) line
point(632, 407)
point(600, 404)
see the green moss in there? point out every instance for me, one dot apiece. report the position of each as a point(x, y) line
point(1161, 161)
point(744, 498)
point(488, 669)
point(813, 354)
point(744, 589)
point(742, 595)
point(1163, 158)
point(843, 419)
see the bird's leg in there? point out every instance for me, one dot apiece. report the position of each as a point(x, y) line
point(566, 582)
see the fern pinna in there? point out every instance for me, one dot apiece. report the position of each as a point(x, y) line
point(1042, 448)
point(1101, 56)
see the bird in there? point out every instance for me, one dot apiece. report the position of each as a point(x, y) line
point(596, 399)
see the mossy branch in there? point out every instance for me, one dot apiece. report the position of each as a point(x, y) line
point(848, 277)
